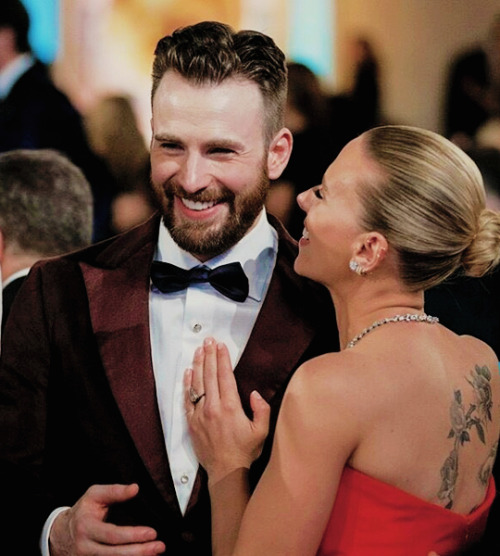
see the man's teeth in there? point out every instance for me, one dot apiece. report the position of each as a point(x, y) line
point(305, 234)
point(197, 205)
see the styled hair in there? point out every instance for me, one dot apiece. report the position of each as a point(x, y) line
point(45, 203)
point(211, 52)
point(13, 15)
point(430, 205)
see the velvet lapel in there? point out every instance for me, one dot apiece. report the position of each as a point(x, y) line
point(118, 296)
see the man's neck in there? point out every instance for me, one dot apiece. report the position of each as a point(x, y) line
point(7, 58)
point(13, 264)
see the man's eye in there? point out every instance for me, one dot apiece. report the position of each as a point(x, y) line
point(170, 146)
point(317, 192)
point(221, 150)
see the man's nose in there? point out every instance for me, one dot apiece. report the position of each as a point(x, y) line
point(193, 174)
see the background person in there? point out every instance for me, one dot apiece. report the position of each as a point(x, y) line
point(35, 114)
point(45, 210)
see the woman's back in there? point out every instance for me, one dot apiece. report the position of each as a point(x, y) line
point(428, 404)
point(430, 410)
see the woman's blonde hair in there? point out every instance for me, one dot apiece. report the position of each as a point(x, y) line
point(430, 205)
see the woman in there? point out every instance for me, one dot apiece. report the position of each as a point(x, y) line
point(387, 446)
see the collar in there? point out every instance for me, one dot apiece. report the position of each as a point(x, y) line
point(13, 71)
point(256, 252)
point(19, 274)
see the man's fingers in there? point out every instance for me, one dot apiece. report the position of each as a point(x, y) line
point(105, 495)
point(83, 530)
point(117, 535)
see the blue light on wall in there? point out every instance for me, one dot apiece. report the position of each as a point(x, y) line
point(311, 34)
point(44, 28)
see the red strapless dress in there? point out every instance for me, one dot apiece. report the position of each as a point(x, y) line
point(372, 518)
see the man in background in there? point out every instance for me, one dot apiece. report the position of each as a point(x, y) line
point(45, 210)
point(34, 114)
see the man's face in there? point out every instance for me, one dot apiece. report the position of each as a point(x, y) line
point(209, 162)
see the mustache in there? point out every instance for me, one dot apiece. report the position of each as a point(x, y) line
point(218, 195)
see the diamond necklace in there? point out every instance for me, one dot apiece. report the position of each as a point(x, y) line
point(409, 317)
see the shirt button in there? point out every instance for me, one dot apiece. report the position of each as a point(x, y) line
point(184, 479)
point(197, 327)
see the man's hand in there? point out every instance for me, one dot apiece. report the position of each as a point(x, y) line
point(82, 530)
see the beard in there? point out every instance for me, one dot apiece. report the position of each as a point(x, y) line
point(210, 239)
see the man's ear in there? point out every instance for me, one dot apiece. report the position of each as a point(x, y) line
point(279, 153)
point(370, 251)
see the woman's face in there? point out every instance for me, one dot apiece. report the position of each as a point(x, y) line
point(333, 215)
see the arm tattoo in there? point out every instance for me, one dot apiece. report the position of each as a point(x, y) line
point(462, 421)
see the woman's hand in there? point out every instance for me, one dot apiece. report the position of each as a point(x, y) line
point(223, 437)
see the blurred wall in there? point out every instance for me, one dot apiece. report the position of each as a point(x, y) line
point(415, 40)
point(107, 45)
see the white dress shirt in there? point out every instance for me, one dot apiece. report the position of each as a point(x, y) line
point(181, 320)
point(13, 71)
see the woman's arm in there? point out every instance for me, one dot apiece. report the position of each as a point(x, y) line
point(316, 433)
point(315, 436)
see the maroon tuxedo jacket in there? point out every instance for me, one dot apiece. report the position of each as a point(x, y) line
point(77, 396)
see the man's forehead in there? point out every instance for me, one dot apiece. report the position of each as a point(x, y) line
point(236, 86)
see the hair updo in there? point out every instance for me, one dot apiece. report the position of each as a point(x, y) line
point(430, 205)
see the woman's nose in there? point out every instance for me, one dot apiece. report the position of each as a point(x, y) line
point(303, 199)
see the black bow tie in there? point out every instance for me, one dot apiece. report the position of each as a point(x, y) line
point(228, 279)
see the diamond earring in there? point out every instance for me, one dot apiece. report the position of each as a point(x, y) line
point(356, 267)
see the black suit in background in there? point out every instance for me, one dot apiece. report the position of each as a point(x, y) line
point(8, 295)
point(37, 115)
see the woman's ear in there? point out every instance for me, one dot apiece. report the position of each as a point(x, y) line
point(279, 153)
point(370, 251)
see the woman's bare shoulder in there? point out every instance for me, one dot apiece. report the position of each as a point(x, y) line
point(333, 381)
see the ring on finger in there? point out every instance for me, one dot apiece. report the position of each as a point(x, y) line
point(194, 397)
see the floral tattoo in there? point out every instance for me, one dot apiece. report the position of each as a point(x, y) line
point(462, 421)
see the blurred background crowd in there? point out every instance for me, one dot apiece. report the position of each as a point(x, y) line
point(431, 64)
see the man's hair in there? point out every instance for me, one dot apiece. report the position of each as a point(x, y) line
point(210, 52)
point(45, 203)
point(13, 15)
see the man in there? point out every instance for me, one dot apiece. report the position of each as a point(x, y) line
point(45, 210)
point(91, 394)
point(34, 114)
